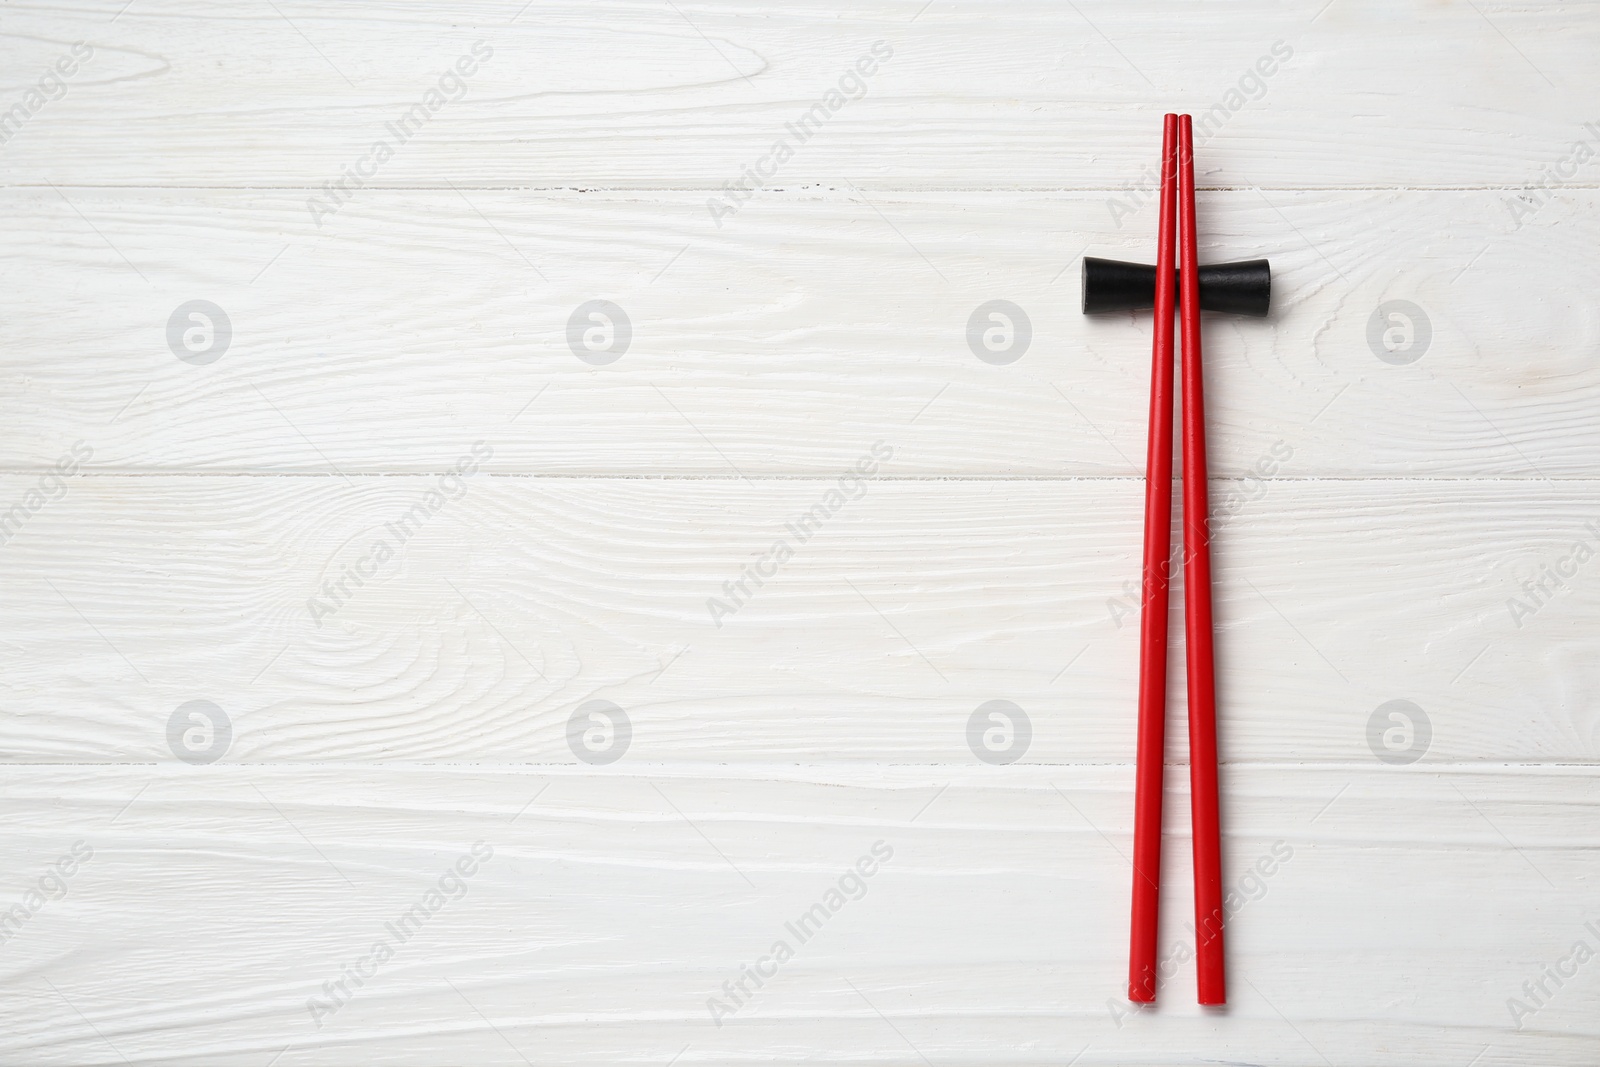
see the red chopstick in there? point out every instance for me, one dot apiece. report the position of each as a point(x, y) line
point(1153, 616)
point(1204, 813)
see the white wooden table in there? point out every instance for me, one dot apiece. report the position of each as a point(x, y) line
point(409, 661)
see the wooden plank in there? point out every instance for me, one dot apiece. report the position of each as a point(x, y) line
point(482, 628)
point(577, 731)
point(1380, 916)
point(580, 95)
point(419, 322)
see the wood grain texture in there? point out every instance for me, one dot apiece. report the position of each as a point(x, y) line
point(418, 322)
point(644, 95)
point(872, 640)
point(269, 672)
point(1397, 914)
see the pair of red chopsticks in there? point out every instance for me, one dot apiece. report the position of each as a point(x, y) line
point(1177, 283)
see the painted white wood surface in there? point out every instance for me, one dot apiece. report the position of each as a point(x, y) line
point(651, 95)
point(1407, 908)
point(916, 602)
point(410, 327)
point(1386, 531)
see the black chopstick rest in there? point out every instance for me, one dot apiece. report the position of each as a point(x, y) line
point(1243, 288)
